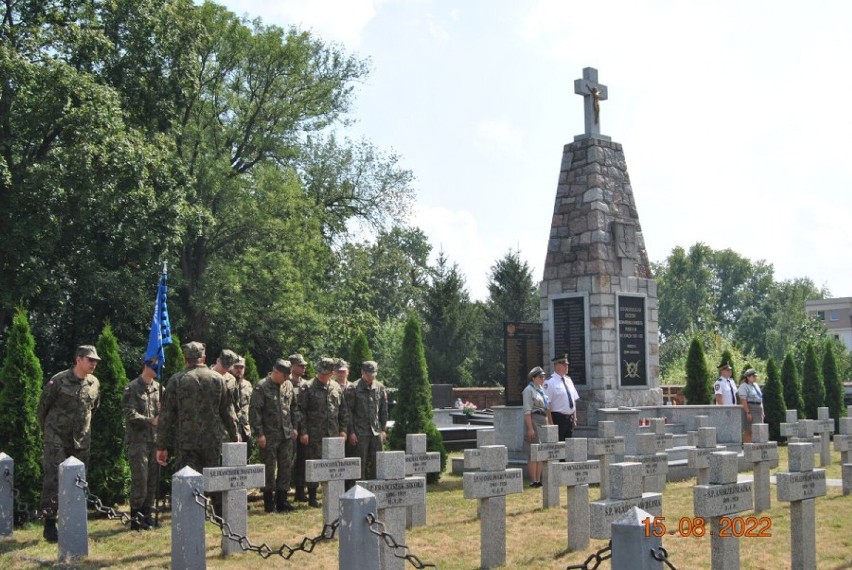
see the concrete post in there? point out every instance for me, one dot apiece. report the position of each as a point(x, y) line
point(631, 546)
point(188, 544)
point(359, 548)
point(73, 526)
point(7, 506)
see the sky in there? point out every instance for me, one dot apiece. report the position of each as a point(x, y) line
point(734, 118)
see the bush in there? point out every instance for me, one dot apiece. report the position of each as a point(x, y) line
point(813, 390)
point(174, 360)
point(792, 387)
point(359, 352)
point(413, 410)
point(833, 385)
point(251, 374)
point(20, 392)
point(773, 401)
point(698, 388)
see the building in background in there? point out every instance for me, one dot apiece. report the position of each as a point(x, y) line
point(836, 315)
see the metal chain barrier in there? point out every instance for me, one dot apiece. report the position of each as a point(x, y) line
point(377, 527)
point(662, 555)
point(604, 553)
point(23, 512)
point(285, 551)
point(95, 502)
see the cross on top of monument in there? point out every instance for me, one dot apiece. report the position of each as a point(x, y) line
point(593, 93)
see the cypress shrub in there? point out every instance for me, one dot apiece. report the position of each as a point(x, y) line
point(251, 374)
point(413, 410)
point(359, 352)
point(21, 437)
point(792, 387)
point(174, 360)
point(698, 389)
point(728, 357)
point(108, 472)
point(833, 384)
point(813, 390)
point(773, 401)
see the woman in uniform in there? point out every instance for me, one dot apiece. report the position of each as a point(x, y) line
point(536, 413)
point(751, 399)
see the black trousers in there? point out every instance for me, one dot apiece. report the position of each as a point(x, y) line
point(565, 422)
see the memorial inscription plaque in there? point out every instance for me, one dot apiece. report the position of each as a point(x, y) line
point(523, 348)
point(569, 334)
point(632, 344)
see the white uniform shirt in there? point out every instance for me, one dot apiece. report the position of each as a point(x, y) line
point(555, 390)
point(727, 388)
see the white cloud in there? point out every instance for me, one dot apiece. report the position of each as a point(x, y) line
point(496, 133)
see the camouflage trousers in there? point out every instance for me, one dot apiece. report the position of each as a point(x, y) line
point(366, 448)
point(277, 456)
point(54, 454)
point(198, 459)
point(299, 465)
point(143, 474)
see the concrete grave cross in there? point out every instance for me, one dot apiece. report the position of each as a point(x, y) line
point(692, 435)
point(722, 497)
point(699, 457)
point(663, 439)
point(761, 452)
point(418, 461)
point(234, 479)
point(843, 444)
point(625, 492)
point(491, 484)
point(394, 494)
point(332, 471)
point(824, 428)
point(483, 437)
point(800, 486)
point(604, 448)
point(655, 465)
point(549, 450)
point(576, 474)
point(593, 93)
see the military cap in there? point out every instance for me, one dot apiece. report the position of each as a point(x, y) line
point(749, 372)
point(282, 365)
point(240, 361)
point(537, 371)
point(724, 366)
point(87, 351)
point(297, 359)
point(341, 365)
point(326, 365)
point(369, 367)
point(228, 358)
point(193, 350)
point(561, 359)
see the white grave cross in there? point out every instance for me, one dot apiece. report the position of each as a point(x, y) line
point(332, 471)
point(604, 447)
point(418, 461)
point(761, 452)
point(800, 486)
point(549, 450)
point(655, 465)
point(576, 474)
point(625, 492)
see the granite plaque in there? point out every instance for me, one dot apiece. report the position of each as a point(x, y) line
point(569, 334)
point(632, 344)
point(522, 343)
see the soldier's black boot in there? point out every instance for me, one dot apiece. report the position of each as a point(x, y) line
point(282, 505)
point(312, 497)
point(300, 494)
point(147, 518)
point(268, 505)
point(50, 534)
point(135, 519)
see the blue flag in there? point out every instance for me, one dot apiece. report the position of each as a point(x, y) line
point(161, 329)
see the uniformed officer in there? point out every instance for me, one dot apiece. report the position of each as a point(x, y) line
point(341, 373)
point(725, 389)
point(244, 390)
point(65, 416)
point(298, 365)
point(368, 408)
point(323, 413)
point(195, 414)
point(274, 415)
point(141, 405)
point(227, 359)
point(563, 397)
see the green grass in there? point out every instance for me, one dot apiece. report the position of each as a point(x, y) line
point(536, 538)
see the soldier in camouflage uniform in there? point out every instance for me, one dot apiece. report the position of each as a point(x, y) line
point(323, 413)
point(227, 359)
point(298, 365)
point(196, 411)
point(341, 373)
point(65, 416)
point(368, 407)
point(141, 405)
point(244, 390)
point(274, 415)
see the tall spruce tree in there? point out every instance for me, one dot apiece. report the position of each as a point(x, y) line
point(359, 352)
point(792, 386)
point(20, 392)
point(833, 384)
point(773, 401)
point(698, 390)
point(413, 410)
point(109, 473)
point(813, 389)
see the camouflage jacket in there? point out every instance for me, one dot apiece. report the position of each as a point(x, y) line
point(65, 409)
point(141, 404)
point(368, 407)
point(196, 411)
point(322, 410)
point(273, 410)
point(244, 390)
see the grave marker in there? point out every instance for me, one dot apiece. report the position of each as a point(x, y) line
point(655, 465)
point(576, 474)
point(188, 538)
point(721, 498)
point(73, 525)
point(418, 461)
point(824, 427)
point(761, 452)
point(604, 447)
point(483, 437)
point(549, 450)
point(491, 485)
point(7, 493)
point(233, 479)
point(332, 471)
point(663, 439)
point(699, 457)
point(625, 492)
point(843, 444)
point(800, 486)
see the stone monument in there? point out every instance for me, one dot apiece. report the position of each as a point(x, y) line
point(598, 296)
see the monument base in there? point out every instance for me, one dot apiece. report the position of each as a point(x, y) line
point(509, 430)
point(593, 400)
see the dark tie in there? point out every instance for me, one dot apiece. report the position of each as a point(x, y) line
point(568, 393)
point(731, 388)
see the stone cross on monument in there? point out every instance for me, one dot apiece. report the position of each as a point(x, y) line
point(593, 93)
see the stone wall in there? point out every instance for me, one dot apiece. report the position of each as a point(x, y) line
point(481, 397)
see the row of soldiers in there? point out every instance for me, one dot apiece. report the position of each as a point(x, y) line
point(285, 415)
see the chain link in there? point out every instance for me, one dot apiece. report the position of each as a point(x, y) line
point(23, 512)
point(95, 502)
point(377, 527)
point(285, 551)
point(604, 553)
point(660, 554)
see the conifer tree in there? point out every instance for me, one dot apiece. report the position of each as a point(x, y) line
point(413, 410)
point(774, 407)
point(728, 357)
point(108, 472)
point(813, 389)
point(792, 386)
point(833, 384)
point(359, 352)
point(174, 360)
point(251, 374)
point(21, 381)
point(698, 390)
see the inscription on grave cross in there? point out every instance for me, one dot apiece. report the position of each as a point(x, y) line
point(761, 452)
point(699, 457)
point(800, 486)
point(549, 450)
point(604, 447)
point(234, 479)
point(593, 93)
point(332, 471)
point(625, 492)
point(655, 465)
point(418, 461)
